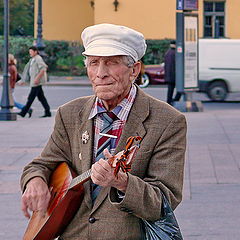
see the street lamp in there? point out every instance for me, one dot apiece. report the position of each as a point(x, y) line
point(40, 45)
point(7, 102)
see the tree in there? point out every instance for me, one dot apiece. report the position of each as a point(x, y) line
point(21, 17)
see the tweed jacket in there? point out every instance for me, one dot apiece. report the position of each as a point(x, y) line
point(158, 166)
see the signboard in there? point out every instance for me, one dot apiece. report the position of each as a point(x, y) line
point(187, 5)
point(187, 52)
point(180, 4)
point(190, 51)
point(190, 4)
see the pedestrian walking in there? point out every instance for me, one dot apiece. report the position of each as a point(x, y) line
point(170, 73)
point(89, 130)
point(35, 73)
point(12, 69)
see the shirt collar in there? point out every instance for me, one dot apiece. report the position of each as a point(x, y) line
point(120, 110)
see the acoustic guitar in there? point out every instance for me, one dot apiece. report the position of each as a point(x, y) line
point(67, 193)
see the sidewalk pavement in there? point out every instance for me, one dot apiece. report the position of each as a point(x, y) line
point(210, 207)
point(73, 81)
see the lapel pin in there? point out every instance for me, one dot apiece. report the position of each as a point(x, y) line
point(85, 137)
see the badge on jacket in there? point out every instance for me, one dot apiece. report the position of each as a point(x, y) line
point(85, 137)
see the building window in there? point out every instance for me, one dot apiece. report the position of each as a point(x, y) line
point(214, 19)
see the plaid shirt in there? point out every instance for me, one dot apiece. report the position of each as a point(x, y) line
point(121, 111)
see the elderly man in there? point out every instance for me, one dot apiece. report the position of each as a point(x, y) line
point(115, 209)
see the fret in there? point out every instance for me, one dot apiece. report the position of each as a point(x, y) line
point(81, 178)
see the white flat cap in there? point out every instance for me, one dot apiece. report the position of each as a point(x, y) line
point(113, 40)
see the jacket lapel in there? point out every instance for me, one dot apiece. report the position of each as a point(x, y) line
point(137, 115)
point(86, 140)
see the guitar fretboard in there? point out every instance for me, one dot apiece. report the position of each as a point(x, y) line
point(80, 179)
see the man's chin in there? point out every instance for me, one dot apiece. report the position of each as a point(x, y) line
point(104, 92)
point(106, 96)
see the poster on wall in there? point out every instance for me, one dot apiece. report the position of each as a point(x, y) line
point(190, 51)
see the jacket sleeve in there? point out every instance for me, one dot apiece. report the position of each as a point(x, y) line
point(25, 74)
point(41, 64)
point(56, 150)
point(163, 174)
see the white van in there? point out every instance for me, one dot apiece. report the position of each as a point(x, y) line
point(219, 67)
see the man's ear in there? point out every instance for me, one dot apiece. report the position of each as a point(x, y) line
point(135, 71)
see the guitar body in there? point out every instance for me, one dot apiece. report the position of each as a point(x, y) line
point(62, 207)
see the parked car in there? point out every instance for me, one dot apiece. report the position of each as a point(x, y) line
point(152, 74)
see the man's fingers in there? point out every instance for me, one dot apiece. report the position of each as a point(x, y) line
point(43, 202)
point(98, 171)
point(36, 196)
point(106, 153)
point(25, 210)
point(103, 167)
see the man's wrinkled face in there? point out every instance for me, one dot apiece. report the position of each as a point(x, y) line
point(111, 78)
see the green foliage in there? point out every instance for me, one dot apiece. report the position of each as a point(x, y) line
point(74, 63)
point(62, 56)
point(65, 56)
point(21, 17)
point(155, 51)
point(18, 46)
point(56, 50)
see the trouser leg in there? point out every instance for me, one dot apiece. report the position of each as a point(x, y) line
point(178, 96)
point(43, 100)
point(170, 93)
point(18, 105)
point(31, 97)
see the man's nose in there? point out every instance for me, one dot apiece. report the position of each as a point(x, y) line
point(102, 70)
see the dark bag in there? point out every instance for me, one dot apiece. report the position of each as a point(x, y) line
point(166, 228)
point(18, 77)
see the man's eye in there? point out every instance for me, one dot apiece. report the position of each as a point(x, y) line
point(93, 62)
point(113, 62)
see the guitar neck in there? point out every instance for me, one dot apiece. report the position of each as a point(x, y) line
point(86, 175)
point(80, 179)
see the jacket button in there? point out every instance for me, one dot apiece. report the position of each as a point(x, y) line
point(91, 219)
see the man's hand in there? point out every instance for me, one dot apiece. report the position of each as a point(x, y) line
point(36, 81)
point(39, 76)
point(36, 196)
point(103, 174)
point(20, 83)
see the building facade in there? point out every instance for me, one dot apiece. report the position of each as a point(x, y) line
point(156, 19)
